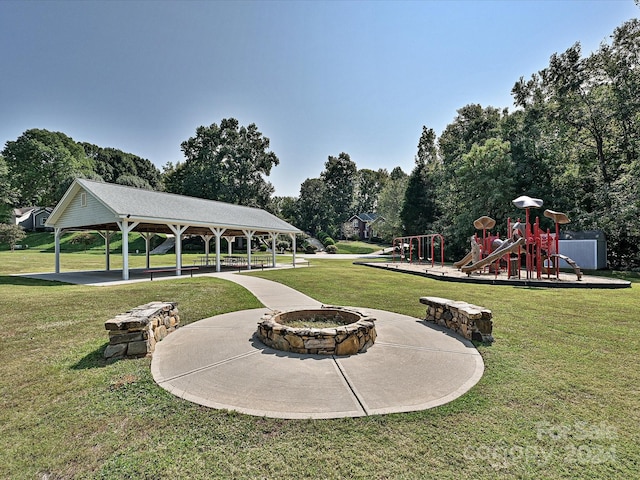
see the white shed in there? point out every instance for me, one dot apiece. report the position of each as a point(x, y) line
point(588, 249)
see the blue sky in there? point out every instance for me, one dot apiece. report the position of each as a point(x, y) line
point(318, 78)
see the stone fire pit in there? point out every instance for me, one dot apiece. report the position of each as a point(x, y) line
point(354, 331)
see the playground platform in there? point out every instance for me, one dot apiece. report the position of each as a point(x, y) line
point(448, 273)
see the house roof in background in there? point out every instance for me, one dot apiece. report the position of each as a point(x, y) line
point(367, 217)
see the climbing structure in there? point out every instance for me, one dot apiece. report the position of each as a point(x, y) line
point(539, 248)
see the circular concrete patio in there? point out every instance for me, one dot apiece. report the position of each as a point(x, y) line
point(218, 362)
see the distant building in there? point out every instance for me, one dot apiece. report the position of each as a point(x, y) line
point(362, 226)
point(32, 219)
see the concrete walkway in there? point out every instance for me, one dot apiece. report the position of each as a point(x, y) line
point(217, 362)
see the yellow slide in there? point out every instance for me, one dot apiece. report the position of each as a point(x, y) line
point(506, 248)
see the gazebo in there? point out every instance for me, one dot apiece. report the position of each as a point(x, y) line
point(108, 208)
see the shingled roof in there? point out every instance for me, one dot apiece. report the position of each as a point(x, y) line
point(91, 205)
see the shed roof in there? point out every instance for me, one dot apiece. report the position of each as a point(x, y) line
point(155, 210)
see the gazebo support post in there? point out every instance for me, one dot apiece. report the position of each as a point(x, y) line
point(274, 237)
point(147, 247)
point(125, 228)
point(218, 234)
point(57, 234)
point(249, 235)
point(206, 239)
point(107, 250)
point(178, 230)
point(293, 247)
point(107, 234)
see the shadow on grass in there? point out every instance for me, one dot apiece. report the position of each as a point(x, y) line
point(29, 282)
point(94, 359)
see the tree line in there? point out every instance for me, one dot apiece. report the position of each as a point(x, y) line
point(572, 140)
point(38, 167)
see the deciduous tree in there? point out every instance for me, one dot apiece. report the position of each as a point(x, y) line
point(7, 195)
point(390, 205)
point(42, 164)
point(225, 162)
point(339, 177)
point(116, 166)
point(313, 213)
point(369, 184)
point(419, 209)
point(11, 234)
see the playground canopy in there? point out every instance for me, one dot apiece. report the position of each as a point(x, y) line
point(107, 208)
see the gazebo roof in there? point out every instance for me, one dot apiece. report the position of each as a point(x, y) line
point(91, 205)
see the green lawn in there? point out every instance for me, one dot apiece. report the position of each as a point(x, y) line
point(559, 397)
point(356, 247)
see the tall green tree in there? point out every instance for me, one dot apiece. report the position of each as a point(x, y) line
point(116, 166)
point(473, 125)
point(313, 213)
point(225, 162)
point(339, 177)
point(284, 208)
point(7, 195)
point(390, 205)
point(369, 184)
point(42, 164)
point(419, 209)
point(489, 174)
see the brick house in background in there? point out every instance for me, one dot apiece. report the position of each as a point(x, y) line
point(361, 226)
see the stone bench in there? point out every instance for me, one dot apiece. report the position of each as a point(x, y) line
point(470, 321)
point(135, 333)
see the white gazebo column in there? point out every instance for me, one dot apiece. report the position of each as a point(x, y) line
point(178, 230)
point(274, 237)
point(147, 246)
point(230, 240)
point(125, 228)
point(218, 233)
point(57, 234)
point(293, 247)
point(206, 239)
point(107, 248)
point(249, 235)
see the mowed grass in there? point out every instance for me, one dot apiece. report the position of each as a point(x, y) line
point(30, 261)
point(559, 397)
point(356, 247)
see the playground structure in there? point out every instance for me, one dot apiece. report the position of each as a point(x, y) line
point(413, 249)
point(539, 248)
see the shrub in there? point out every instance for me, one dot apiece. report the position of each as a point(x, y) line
point(331, 249)
point(263, 248)
point(310, 249)
point(11, 234)
point(328, 241)
point(283, 245)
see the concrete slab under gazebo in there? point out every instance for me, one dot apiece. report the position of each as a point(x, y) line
point(107, 208)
